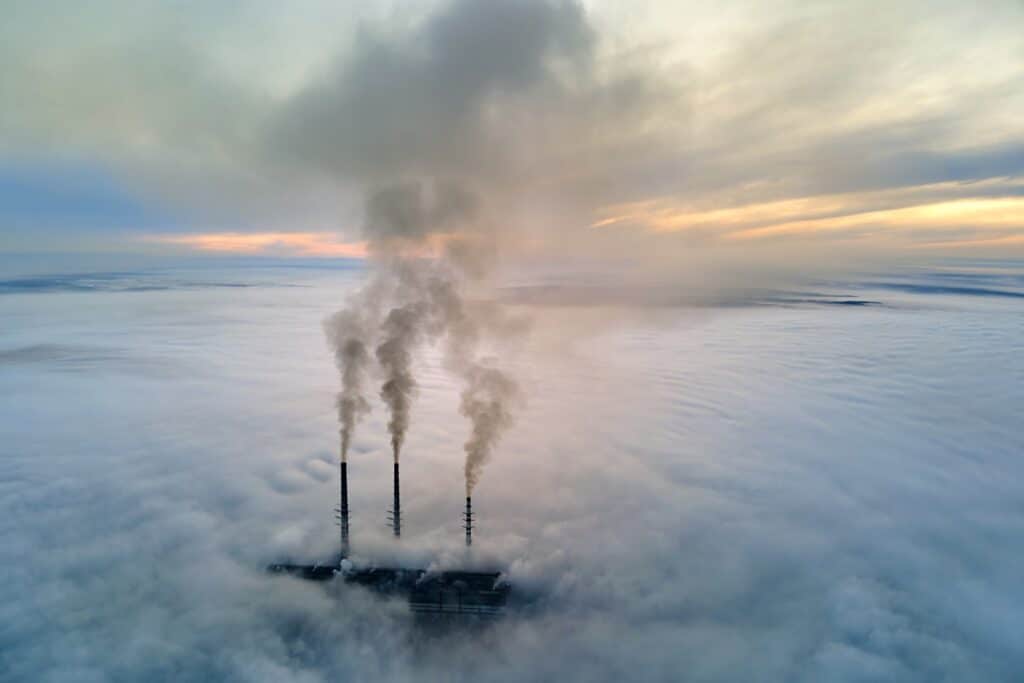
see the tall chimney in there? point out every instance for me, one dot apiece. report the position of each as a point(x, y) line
point(343, 510)
point(468, 518)
point(396, 512)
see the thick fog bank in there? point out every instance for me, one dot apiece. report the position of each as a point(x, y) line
point(776, 490)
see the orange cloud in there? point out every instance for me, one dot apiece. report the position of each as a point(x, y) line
point(945, 207)
point(1004, 213)
point(319, 244)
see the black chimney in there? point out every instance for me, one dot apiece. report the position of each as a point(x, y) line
point(468, 518)
point(343, 510)
point(396, 512)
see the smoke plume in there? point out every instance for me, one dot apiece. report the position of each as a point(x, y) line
point(486, 401)
point(429, 241)
point(413, 126)
point(402, 330)
point(348, 332)
point(351, 404)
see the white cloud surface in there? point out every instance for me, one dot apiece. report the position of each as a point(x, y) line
point(800, 492)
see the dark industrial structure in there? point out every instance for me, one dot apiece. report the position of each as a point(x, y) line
point(449, 594)
point(396, 509)
point(343, 510)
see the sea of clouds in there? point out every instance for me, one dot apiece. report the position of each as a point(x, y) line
point(816, 485)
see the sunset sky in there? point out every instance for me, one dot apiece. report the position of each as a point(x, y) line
point(254, 128)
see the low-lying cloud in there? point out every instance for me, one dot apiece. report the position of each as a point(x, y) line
point(760, 492)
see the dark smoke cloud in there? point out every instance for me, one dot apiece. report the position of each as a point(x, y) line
point(486, 401)
point(403, 331)
point(419, 105)
point(403, 220)
point(406, 214)
point(397, 305)
point(348, 335)
point(351, 333)
point(351, 403)
point(489, 395)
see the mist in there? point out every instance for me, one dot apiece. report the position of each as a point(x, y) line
point(787, 490)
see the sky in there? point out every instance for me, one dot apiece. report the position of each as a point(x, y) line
point(670, 134)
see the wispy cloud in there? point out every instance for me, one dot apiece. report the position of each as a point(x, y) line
point(315, 244)
point(992, 210)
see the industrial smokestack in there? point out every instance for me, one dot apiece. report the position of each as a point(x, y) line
point(396, 512)
point(469, 521)
point(343, 510)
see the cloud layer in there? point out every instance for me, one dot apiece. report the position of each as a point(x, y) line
point(795, 492)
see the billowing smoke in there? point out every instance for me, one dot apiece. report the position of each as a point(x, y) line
point(489, 394)
point(414, 126)
point(405, 216)
point(348, 333)
point(351, 403)
point(426, 244)
point(402, 333)
point(401, 220)
point(486, 400)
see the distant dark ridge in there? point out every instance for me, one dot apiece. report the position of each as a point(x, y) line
point(42, 353)
point(81, 358)
point(948, 289)
point(576, 295)
point(70, 358)
point(107, 282)
point(823, 302)
point(980, 277)
point(43, 285)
